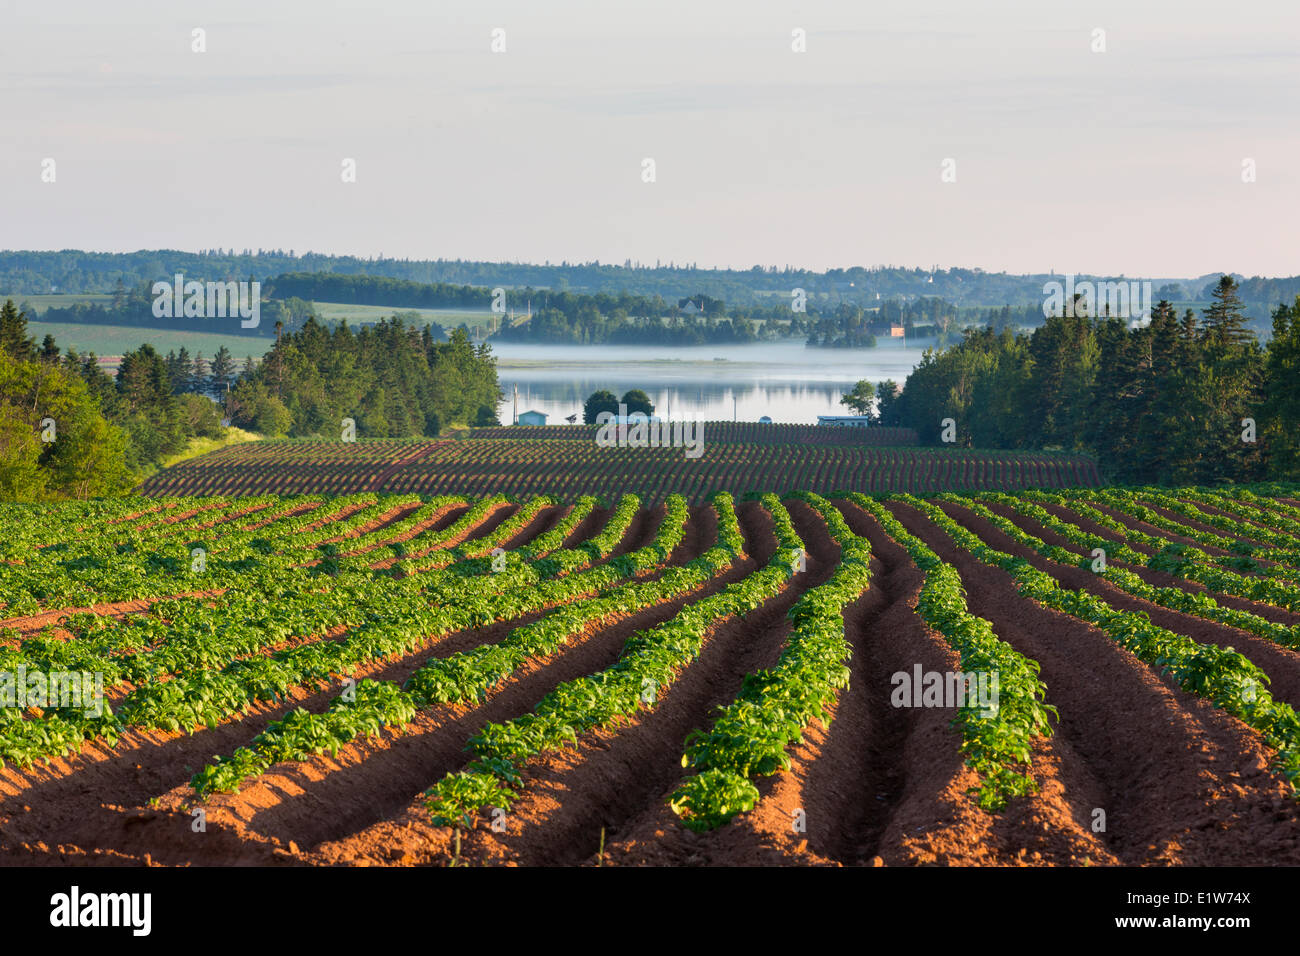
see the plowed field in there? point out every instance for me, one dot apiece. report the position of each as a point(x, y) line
point(396, 680)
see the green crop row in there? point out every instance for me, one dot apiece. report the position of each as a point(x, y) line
point(1274, 522)
point(1131, 503)
point(181, 633)
point(1227, 678)
point(1198, 605)
point(1185, 561)
point(470, 675)
point(650, 662)
point(996, 746)
point(387, 616)
point(774, 707)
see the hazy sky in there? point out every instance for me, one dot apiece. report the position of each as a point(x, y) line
point(1127, 161)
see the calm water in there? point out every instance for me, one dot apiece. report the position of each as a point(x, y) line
point(785, 381)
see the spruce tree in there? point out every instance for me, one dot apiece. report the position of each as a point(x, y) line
point(223, 370)
point(14, 340)
point(1225, 319)
point(199, 375)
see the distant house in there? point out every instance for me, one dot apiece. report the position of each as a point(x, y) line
point(690, 308)
point(532, 418)
point(844, 421)
point(636, 418)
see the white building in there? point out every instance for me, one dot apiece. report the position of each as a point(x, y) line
point(844, 421)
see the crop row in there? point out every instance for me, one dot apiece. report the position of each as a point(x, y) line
point(649, 664)
point(997, 746)
point(564, 467)
point(749, 737)
point(470, 675)
point(384, 615)
point(1225, 677)
point(725, 432)
point(1195, 604)
point(1184, 561)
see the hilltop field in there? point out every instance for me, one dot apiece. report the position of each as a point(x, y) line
point(567, 461)
point(345, 674)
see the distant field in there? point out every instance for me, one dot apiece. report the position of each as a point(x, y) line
point(447, 318)
point(60, 300)
point(115, 340)
point(519, 461)
point(112, 340)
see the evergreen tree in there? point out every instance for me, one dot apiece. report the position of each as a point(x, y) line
point(223, 371)
point(1230, 374)
point(199, 375)
point(14, 340)
point(1225, 319)
point(180, 369)
point(1280, 411)
point(142, 380)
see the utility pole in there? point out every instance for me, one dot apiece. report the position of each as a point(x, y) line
point(279, 360)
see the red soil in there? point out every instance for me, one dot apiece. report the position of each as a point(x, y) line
point(1180, 781)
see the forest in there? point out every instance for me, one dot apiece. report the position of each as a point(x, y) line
point(1184, 399)
point(68, 429)
point(133, 307)
point(26, 272)
point(393, 380)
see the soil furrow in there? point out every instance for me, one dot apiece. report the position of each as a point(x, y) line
point(1181, 781)
point(618, 775)
point(408, 833)
point(148, 763)
point(1281, 664)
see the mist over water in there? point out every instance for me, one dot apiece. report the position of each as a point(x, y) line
point(784, 380)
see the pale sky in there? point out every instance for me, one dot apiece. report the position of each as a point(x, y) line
point(1128, 161)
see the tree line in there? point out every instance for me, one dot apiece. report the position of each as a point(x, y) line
point(133, 307)
point(30, 272)
point(1181, 399)
point(69, 429)
point(391, 379)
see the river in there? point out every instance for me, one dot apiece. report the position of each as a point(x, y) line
point(783, 380)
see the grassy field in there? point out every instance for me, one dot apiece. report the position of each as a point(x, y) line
point(60, 300)
point(114, 340)
point(201, 446)
point(447, 318)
